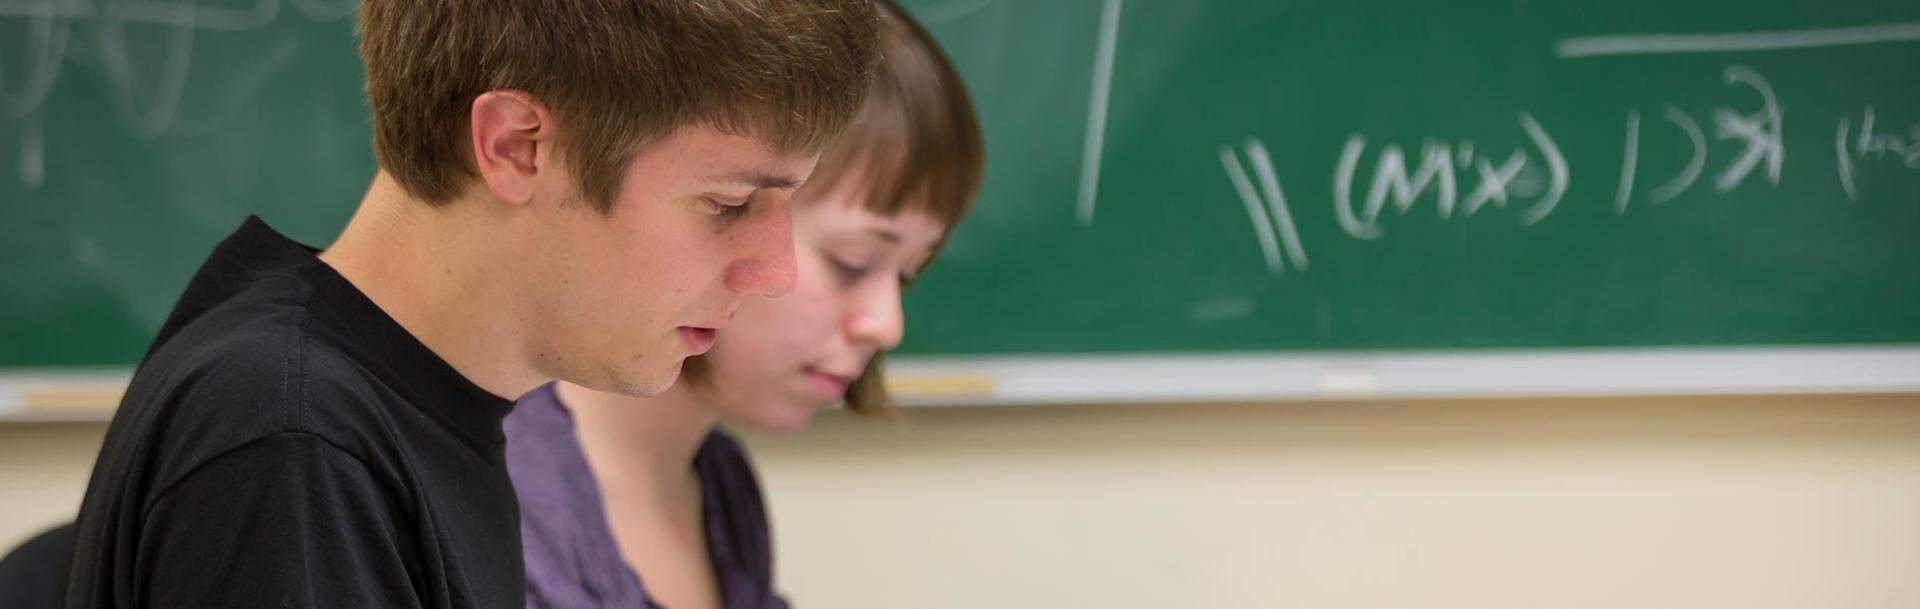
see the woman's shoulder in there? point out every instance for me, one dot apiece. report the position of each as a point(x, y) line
point(724, 464)
point(736, 515)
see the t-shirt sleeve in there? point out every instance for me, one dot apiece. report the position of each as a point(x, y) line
point(287, 521)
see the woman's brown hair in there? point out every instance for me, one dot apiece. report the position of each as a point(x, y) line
point(914, 146)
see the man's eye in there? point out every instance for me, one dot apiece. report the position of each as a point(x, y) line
point(726, 209)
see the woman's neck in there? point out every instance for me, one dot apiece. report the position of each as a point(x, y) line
point(645, 444)
point(641, 451)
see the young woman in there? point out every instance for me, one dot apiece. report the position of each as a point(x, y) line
point(645, 502)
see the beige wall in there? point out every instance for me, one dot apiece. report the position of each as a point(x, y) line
point(1749, 502)
point(43, 472)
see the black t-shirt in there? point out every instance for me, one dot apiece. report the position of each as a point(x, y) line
point(287, 444)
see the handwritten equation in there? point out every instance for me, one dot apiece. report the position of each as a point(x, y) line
point(1374, 181)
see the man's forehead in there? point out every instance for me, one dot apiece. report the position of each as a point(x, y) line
point(731, 159)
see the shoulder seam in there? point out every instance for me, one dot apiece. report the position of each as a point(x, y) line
point(161, 494)
point(306, 383)
point(286, 372)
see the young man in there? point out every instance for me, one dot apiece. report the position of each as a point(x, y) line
point(648, 502)
point(576, 189)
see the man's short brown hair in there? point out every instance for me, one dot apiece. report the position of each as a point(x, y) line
point(615, 75)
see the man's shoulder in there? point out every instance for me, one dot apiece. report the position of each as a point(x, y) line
point(233, 380)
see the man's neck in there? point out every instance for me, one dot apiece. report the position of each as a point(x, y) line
point(434, 271)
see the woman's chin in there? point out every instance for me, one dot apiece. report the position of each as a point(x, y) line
point(781, 419)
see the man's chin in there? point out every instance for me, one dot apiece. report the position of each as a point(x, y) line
point(646, 383)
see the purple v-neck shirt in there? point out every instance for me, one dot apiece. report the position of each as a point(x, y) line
point(572, 560)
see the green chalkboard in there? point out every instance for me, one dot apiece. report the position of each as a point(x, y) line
point(1165, 176)
point(134, 136)
point(1779, 251)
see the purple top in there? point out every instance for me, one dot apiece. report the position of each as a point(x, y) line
point(572, 560)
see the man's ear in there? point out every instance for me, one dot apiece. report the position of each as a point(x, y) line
point(511, 133)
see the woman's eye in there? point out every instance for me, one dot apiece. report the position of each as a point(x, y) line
point(846, 271)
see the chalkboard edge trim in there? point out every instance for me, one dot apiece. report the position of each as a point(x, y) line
point(91, 394)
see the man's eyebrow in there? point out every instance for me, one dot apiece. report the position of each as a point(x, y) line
point(756, 179)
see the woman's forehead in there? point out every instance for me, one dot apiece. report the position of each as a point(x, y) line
point(909, 227)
